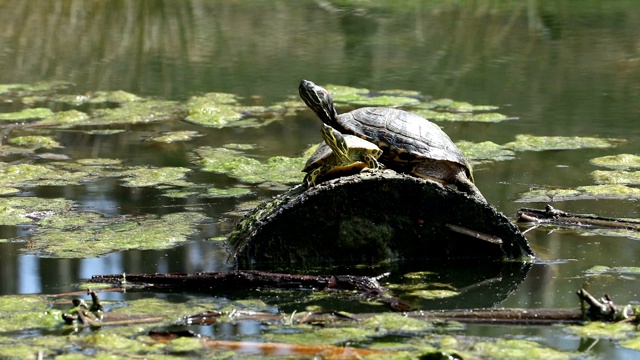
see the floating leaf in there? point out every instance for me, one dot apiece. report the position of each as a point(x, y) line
point(581, 193)
point(136, 112)
point(618, 162)
point(542, 143)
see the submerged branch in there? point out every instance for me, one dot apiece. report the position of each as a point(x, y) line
point(552, 216)
point(244, 279)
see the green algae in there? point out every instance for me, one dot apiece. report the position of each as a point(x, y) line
point(35, 142)
point(147, 176)
point(278, 169)
point(433, 115)
point(226, 193)
point(589, 192)
point(601, 269)
point(26, 114)
point(517, 349)
point(433, 294)
point(543, 143)
point(136, 112)
point(28, 175)
point(117, 96)
point(26, 210)
point(364, 97)
point(601, 330)
point(26, 312)
point(485, 150)
point(82, 235)
point(618, 162)
point(616, 177)
point(175, 136)
point(65, 119)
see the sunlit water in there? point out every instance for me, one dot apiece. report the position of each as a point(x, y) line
point(562, 69)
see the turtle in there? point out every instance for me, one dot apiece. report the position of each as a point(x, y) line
point(339, 155)
point(410, 143)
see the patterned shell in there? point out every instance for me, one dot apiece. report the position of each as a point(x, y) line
point(403, 136)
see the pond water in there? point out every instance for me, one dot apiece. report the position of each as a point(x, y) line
point(560, 69)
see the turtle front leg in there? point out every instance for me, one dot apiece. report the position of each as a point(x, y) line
point(311, 179)
point(372, 162)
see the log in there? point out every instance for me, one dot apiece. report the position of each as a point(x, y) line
point(372, 217)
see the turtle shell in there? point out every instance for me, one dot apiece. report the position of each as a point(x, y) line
point(405, 138)
point(324, 155)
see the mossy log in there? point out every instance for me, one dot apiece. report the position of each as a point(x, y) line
point(375, 216)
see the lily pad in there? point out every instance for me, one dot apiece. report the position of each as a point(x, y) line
point(581, 193)
point(542, 143)
point(618, 162)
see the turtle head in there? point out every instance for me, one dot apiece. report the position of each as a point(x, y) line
point(336, 142)
point(319, 100)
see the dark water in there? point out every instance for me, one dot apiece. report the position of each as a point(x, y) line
point(563, 69)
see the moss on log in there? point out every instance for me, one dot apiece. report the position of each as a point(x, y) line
point(372, 217)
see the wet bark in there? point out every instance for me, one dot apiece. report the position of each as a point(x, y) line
point(372, 217)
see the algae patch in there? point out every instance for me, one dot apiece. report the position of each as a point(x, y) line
point(75, 234)
point(542, 143)
point(278, 169)
point(589, 192)
point(618, 162)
